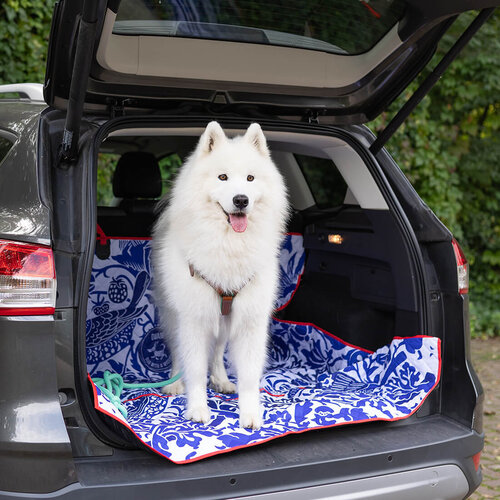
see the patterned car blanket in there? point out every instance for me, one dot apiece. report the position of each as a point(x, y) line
point(312, 380)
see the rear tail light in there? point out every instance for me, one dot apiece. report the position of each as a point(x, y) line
point(476, 459)
point(27, 279)
point(462, 268)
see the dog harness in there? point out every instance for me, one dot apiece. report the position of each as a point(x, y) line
point(226, 298)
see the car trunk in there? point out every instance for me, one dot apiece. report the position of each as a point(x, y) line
point(353, 268)
point(373, 286)
point(369, 264)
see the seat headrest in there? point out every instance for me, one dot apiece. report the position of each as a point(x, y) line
point(137, 175)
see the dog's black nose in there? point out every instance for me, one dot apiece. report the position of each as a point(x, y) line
point(240, 201)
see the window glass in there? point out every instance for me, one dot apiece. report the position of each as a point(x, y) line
point(168, 167)
point(5, 146)
point(324, 180)
point(106, 166)
point(337, 26)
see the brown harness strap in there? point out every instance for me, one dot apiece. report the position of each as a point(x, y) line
point(226, 298)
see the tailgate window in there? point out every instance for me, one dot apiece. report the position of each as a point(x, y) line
point(335, 26)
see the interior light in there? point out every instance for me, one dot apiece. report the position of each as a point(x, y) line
point(336, 239)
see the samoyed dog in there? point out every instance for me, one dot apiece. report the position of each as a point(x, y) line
point(216, 263)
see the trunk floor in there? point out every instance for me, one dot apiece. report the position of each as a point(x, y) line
point(313, 379)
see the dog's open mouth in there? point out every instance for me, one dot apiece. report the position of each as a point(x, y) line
point(237, 220)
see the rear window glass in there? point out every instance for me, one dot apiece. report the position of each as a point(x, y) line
point(106, 166)
point(324, 180)
point(336, 26)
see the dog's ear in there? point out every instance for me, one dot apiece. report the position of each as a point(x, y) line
point(211, 138)
point(256, 138)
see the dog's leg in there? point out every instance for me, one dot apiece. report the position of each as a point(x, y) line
point(194, 343)
point(169, 324)
point(248, 351)
point(218, 376)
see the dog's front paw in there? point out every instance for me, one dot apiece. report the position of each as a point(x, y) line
point(173, 389)
point(198, 414)
point(251, 420)
point(223, 386)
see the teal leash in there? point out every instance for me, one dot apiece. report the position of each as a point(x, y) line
point(112, 385)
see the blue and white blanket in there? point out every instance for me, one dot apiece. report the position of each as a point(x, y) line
point(313, 379)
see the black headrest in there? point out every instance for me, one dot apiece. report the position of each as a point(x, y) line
point(137, 175)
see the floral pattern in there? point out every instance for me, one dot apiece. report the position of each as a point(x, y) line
point(312, 379)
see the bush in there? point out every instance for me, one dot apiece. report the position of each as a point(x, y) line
point(24, 35)
point(449, 148)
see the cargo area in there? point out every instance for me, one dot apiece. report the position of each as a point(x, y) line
point(358, 281)
point(347, 297)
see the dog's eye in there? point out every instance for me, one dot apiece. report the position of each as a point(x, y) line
point(250, 178)
point(223, 177)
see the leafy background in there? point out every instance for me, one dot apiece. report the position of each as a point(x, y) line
point(449, 147)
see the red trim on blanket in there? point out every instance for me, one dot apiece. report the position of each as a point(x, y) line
point(291, 296)
point(413, 337)
point(151, 394)
point(102, 237)
point(102, 410)
point(218, 452)
point(325, 332)
point(298, 279)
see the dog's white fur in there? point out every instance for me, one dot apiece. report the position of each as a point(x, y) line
point(194, 230)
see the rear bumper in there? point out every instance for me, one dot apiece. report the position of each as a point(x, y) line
point(445, 482)
point(422, 458)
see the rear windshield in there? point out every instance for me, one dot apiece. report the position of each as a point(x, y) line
point(336, 26)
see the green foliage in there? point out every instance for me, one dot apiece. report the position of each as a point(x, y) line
point(24, 35)
point(169, 165)
point(106, 164)
point(449, 148)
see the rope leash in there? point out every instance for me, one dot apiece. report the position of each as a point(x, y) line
point(112, 385)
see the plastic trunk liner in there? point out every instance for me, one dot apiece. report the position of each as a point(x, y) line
point(313, 379)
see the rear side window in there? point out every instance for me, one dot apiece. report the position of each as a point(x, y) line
point(106, 165)
point(324, 180)
point(336, 26)
point(5, 146)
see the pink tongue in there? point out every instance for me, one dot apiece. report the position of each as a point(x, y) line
point(238, 222)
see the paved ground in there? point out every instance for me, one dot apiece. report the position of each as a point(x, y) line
point(486, 359)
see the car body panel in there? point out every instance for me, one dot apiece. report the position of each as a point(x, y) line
point(35, 449)
point(24, 215)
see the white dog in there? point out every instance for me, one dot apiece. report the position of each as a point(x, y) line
point(215, 256)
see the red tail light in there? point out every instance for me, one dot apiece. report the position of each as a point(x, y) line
point(27, 279)
point(476, 459)
point(462, 268)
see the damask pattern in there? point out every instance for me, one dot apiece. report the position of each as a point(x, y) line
point(312, 380)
